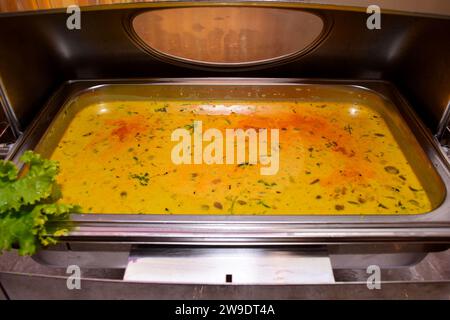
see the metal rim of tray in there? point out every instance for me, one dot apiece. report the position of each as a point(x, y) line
point(226, 229)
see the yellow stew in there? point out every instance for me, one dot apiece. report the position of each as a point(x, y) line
point(334, 158)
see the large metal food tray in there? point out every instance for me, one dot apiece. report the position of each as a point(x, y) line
point(423, 154)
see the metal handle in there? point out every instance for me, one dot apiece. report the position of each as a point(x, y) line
point(443, 126)
point(4, 126)
point(443, 132)
point(4, 147)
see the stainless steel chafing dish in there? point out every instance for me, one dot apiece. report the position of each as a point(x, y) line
point(405, 67)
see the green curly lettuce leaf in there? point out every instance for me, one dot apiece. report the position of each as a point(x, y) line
point(36, 185)
point(29, 216)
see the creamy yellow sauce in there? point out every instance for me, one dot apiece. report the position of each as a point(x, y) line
point(335, 158)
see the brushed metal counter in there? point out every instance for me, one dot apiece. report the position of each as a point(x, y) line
point(19, 286)
point(22, 278)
